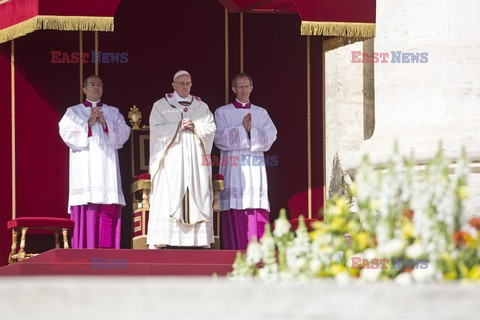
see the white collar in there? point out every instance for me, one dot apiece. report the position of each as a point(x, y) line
point(94, 103)
point(178, 98)
point(243, 103)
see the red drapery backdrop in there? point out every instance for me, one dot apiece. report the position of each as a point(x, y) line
point(275, 54)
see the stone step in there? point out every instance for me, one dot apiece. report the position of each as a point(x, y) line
point(125, 262)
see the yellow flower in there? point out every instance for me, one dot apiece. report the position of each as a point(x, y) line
point(342, 203)
point(353, 226)
point(317, 225)
point(336, 268)
point(462, 192)
point(326, 249)
point(470, 241)
point(452, 275)
point(354, 272)
point(474, 273)
point(336, 211)
point(338, 224)
point(353, 189)
point(446, 257)
point(361, 240)
point(407, 228)
point(323, 273)
point(319, 230)
point(374, 205)
point(463, 270)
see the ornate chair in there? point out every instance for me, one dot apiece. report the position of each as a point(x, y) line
point(141, 206)
point(140, 185)
point(218, 185)
point(36, 225)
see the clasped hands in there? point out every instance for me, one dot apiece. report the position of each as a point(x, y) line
point(96, 116)
point(186, 124)
point(247, 122)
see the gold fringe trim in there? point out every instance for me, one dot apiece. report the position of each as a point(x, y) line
point(70, 23)
point(345, 29)
point(337, 42)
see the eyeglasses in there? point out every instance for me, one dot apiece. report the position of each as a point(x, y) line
point(93, 84)
point(184, 84)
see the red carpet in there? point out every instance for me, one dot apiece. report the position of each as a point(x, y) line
point(125, 262)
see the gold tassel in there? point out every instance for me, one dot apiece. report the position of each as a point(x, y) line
point(344, 29)
point(72, 23)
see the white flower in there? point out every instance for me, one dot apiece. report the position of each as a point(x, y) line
point(254, 252)
point(286, 276)
point(268, 249)
point(337, 256)
point(404, 278)
point(315, 265)
point(370, 275)
point(282, 227)
point(269, 272)
point(424, 275)
point(299, 263)
point(392, 248)
point(370, 254)
point(414, 251)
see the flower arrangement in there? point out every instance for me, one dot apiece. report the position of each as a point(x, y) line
point(402, 222)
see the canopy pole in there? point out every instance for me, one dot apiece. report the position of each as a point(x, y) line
point(80, 65)
point(309, 132)
point(12, 91)
point(96, 53)
point(227, 89)
point(241, 42)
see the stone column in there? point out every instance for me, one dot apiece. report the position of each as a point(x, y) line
point(420, 104)
point(349, 105)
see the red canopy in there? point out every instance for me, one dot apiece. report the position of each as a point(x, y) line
point(20, 17)
point(349, 18)
point(319, 17)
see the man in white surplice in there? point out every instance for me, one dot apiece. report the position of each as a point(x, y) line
point(181, 134)
point(244, 132)
point(94, 131)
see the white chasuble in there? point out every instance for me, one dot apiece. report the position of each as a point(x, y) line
point(242, 160)
point(181, 193)
point(94, 166)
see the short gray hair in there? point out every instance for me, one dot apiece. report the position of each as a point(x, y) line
point(241, 75)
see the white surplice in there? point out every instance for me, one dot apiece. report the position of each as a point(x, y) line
point(94, 166)
point(181, 193)
point(244, 168)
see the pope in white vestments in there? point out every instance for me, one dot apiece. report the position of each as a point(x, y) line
point(244, 132)
point(181, 134)
point(94, 132)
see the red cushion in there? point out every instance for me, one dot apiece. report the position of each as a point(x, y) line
point(142, 176)
point(40, 222)
point(298, 203)
point(218, 176)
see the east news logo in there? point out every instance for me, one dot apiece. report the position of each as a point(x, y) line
point(392, 57)
point(89, 57)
